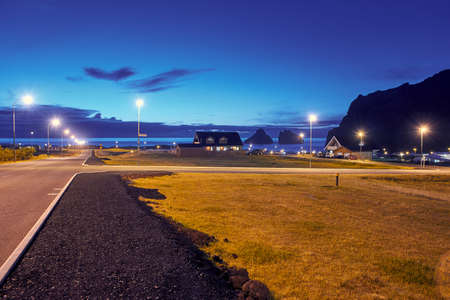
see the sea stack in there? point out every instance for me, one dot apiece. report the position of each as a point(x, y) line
point(259, 138)
point(288, 137)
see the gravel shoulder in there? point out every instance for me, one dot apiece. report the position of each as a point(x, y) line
point(100, 242)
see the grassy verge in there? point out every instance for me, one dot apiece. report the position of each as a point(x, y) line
point(118, 157)
point(307, 239)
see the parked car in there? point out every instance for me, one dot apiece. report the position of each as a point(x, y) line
point(255, 152)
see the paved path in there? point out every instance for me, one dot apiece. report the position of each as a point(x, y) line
point(26, 190)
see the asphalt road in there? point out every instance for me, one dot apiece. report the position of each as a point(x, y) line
point(26, 190)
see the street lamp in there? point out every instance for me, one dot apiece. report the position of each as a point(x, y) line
point(139, 104)
point(361, 143)
point(27, 100)
point(65, 132)
point(312, 118)
point(422, 129)
point(55, 122)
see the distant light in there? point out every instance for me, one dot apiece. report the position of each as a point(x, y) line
point(298, 152)
point(301, 134)
point(174, 143)
point(423, 129)
point(139, 102)
point(31, 132)
point(407, 152)
point(360, 133)
point(27, 99)
point(67, 131)
point(414, 149)
point(312, 118)
point(72, 137)
point(55, 122)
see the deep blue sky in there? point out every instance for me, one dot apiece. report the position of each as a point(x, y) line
point(221, 62)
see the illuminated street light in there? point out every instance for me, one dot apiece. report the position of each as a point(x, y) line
point(65, 132)
point(55, 122)
point(422, 129)
point(27, 100)
point(361, 143)
point(139, 104)
point(312, 118)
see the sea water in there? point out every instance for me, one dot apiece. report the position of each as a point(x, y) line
point(317, 143)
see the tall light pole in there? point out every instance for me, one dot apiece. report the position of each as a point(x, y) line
point(312, 118)
point(55, 122)
point(423, 129)
point(361, 143)
point(301, 135)
point(27, 100)
point(65, 132)
point(139, 104)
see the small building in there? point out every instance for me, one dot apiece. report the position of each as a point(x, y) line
point(333, 145)
point(208, 143)
point(335, 149)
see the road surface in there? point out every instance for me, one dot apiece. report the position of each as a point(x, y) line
point(26, 190)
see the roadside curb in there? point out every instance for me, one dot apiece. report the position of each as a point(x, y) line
point(26, 242)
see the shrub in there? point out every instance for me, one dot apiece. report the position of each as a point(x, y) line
point(7, 154)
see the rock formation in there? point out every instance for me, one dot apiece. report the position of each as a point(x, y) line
point(391, 118)
point(259, 138)
point(288, 137)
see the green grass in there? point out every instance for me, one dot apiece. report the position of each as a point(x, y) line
point(407, 270)
point(234, 160)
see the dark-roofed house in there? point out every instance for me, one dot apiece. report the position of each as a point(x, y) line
point(211, 143)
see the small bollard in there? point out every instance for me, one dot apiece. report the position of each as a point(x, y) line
point(337, 179)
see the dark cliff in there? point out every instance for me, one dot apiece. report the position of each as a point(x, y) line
point(288, 137)
point(391, 118)
point(260, 137)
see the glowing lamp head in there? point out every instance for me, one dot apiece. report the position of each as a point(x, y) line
point(312, 118)
point(423, 129)
point(302, 135)
point(72, 137)
point(66, 132)
point(360, 133)
point(139, 102)
point(55, 122)
point(27, 99)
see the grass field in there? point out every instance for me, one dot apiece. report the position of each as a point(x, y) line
point(126, 157)
point(307, 239)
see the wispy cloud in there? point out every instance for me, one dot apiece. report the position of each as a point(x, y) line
point(405, 73)
point(297, 119)
point(163, 81)
point(74, 78)
point(114, 75)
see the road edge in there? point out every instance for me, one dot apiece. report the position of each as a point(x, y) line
point(26, 242)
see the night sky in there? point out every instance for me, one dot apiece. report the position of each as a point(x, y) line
point(220, 62)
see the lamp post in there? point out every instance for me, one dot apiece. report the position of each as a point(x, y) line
point(55, 123)
point(312, 118)
point(27, 100)
point(423, 129)
point(65, 132)
point(361, 143)
point(139, 104)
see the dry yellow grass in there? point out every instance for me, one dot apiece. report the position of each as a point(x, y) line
point(306, 239)
point(117, 157)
